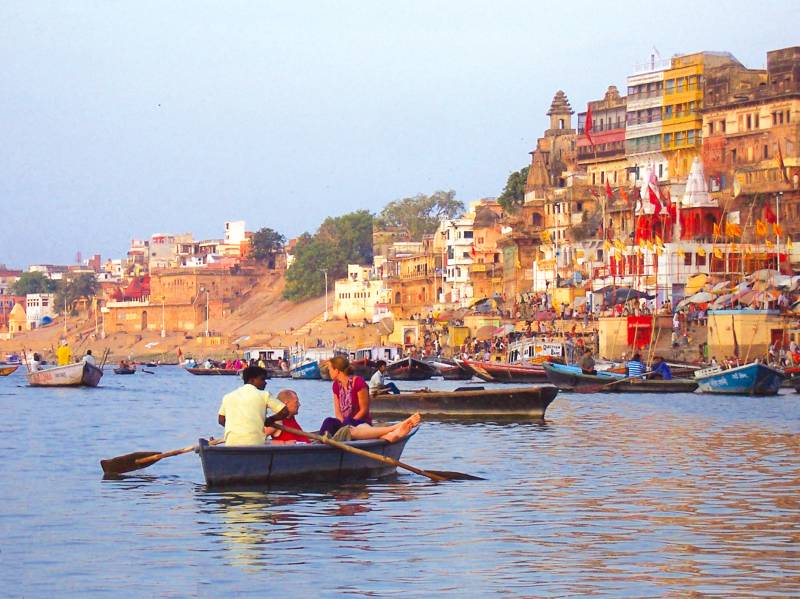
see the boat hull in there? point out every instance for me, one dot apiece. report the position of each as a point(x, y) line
point(6, 370)
point(501, 372)
point(569, 378)
point(409, 369)
point(522, 402)
point(71, 375)
point(302, 462)
point(124, 371)
point(750, 379)
point(213, 371)
point(309, 371)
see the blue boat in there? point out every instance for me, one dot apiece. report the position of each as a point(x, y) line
point(301, 462)
point(307, 370)
point(750, 379)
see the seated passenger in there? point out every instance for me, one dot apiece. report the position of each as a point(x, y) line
point(378, 384)
point(243, 412)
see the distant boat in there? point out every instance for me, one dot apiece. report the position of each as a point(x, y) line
point(213, 371)
point(409, 369)
point(503, 372)
point(569, 378)
point(125, 370)
point(307, 371)
point(309, 367)
point(6, 369)
point(71, 375)
point(750, 379)
point(364, 361)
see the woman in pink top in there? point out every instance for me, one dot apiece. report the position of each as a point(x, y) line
point(351, 406)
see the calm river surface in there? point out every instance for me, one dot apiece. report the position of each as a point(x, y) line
point(612, 495)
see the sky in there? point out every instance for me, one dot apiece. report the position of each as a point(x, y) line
point(123, 119)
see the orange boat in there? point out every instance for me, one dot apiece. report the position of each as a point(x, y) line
point(7, 369)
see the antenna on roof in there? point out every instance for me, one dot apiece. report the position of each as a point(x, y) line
point(657, 53)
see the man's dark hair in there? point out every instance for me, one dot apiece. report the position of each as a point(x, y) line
point(380, 363)
point(252, 372)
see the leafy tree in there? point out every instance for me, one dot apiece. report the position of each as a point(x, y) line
point(339, 241)
point(73, 289)
point(513, 194)
point(33, 282)
point(421, 214)
point(265, 244)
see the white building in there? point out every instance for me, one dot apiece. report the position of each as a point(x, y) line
point(235, 232)
point(358, 295)
point(37, 306)
point(459, 247)
point(643, 127)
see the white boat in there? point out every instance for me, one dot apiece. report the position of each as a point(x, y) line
point(71, 375)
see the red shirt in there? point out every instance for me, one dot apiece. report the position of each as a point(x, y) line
point(287, 436)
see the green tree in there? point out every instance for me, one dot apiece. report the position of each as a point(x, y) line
point(265, 244)
point(513, 194)
point(33, 282)
point(82, 286)
point(421, 214)
point(339, 241)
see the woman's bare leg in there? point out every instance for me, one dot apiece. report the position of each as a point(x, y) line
point(365, 431)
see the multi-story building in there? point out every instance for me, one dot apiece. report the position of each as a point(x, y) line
point(38, 306)
point(682, 121)
point(357, 295)
point(7, 303)
point(486, 271)
point(601, 153)
point(643, 131)
point(459, 240)
point(413, 278)
point(7, 278)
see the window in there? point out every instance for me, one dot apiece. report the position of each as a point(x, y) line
point(667, 112)
point(774, 118)
point(733, 156)
point(722, 126)
point(757, 121)
point(670, 86)
point(467, 234)
point(690, 137)
point(780, 118)
point(766, 151)
point(701, 260)
point(687, 259)
point(788, 117)
point(679, 138)
point(681, 84)
point(602, 177)
point(749, 119)
point(711, 128)
point(661, 170)
point(668, 139)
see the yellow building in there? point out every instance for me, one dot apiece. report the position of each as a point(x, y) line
point(356, 296)
point(17, 321)
point(682, 122)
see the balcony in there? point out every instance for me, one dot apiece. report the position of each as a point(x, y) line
point(644, 95)
point(633, 121)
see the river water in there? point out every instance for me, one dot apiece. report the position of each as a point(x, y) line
point(612, 495)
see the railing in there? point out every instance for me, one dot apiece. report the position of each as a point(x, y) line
point(643, 121)
point(644, 95)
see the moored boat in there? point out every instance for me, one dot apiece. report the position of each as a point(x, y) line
point(410, 369)
point(749, 379)
point(516, 402)
point(213, 371)
point(124, 370)
point(6, 369)
point(308, 371)
point(503, 372)
point(301, 462)
point(569, 378)
point(71, 375)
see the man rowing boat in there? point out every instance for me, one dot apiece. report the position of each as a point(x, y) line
point(243, 412)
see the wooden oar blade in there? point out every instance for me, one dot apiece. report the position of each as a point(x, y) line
point(450, 475)
point(128, 462)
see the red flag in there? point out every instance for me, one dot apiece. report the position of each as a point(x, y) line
point(609, 193)
point(769, 215)
point(474, 253)
point(651, 189)
point(588, 125)
point(624, 195)
point(781, 165)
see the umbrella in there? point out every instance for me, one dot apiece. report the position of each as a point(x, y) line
point(484, 332)
point(747, 297)
point(764, 274)
point(503, 329)
point(720, 286)
point(624, 294)
point(723, 301)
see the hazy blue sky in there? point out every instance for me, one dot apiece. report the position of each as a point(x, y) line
point(121, 119)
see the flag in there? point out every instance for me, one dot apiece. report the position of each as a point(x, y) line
point(769, 215)
point(546, 236)
point(650, 245)
point(748, 251)
point(734, 248)
point(681, 253)
point(609, 193)
point(642, 243)
point(701, 250)
point(624, 194)
point(588, 125)
point(789, 243)
point(777, 229)
point(718, 253)
point(761, 228)
point(769, 243)
point(781, 165)
point(716, 230)
point(658, 241)
point(607, 245)
point(472, 251)
point(619, 245)
point(733, 230)
point(653, 193)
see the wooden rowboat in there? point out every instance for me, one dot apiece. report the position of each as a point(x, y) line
point(749, 379)
point(569, 378)
point(7, 369)
point(516, 402)
point(409, 369)
point(213, 371)
point(503, 372)
point(301, 462)
point(123, 370)
point(71, 375)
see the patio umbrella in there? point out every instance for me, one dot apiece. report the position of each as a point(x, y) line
point(746, 297)
point(621, 295)
point(484, 332)
point(723, 301)
point(701, 298)
point(720, 286)
point(503, 329)
point(764, 274)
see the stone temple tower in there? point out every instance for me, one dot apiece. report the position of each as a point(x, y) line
point(560, 114)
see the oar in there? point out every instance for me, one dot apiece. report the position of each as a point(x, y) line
point(142, 459)
point(598, 388)
point(434, 475)
point(148, 371)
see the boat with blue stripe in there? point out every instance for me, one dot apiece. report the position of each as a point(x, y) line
point(307, 371)
point(570, 378)
point(750, 379)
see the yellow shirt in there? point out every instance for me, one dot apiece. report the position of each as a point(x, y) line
point(244, 411)
point(64, 355)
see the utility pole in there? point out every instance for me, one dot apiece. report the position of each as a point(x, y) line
point(207, 313)
point(325, 316)
point(163, 328)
